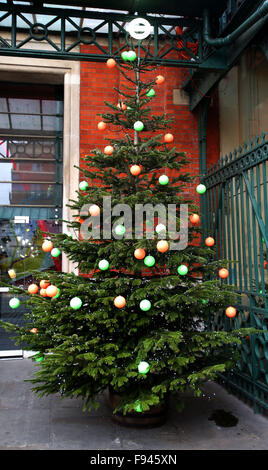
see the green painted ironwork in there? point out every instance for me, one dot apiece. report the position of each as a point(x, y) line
point(203, 109)
point(80, 34)
point(259, 13)
point(236, 215)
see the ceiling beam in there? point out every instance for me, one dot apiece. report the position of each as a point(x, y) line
point(191, 8)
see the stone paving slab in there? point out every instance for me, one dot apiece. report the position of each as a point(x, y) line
point(28, 422)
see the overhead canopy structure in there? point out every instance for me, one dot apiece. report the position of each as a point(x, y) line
point(75, 30)
point(97, 29)
point(191, 8)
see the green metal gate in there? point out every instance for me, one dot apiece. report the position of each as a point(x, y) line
point(235, 213)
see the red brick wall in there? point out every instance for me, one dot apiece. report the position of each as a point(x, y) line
point(97, 82)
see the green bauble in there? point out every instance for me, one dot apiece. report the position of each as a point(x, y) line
point(103, 264)
point(55, 252)
point(39, 357)
point(145, 305)
point(201, 189)
point(138, 126)
point(132, 56)
point(182, 270)
point(124, 55)
point(143, 367)
point(14, 302)
point(75, 303)
point(149, 261)
point(57, 295)
point(150, 93)
point(83, 185)
point(120, 230)
point(148, 223)
point(204, 301)
point(138, 407)
point(163, 179)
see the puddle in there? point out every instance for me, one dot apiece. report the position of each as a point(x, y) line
point(223, 418)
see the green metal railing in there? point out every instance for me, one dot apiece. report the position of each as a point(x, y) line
point(235, 213)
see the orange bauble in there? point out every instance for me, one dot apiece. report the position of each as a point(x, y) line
point(52, 291)
point(12, 273)
point(102, 126)
point(230, 312)
point(94, 210)
point(209, 241)
point(223, 273)
point(168, 138)
point(139, 253)
point(110, 63)
point(162, 246)
point(135, 170)
point(194, 218)
point(108, 150)
point(43, 292)
point(122, 106)
point(33, 289)
point(47, 246)
point(44, 284)
point(265, 265)
point(119, 301)
point(33, 330)
point(159, 79)
point(79, 220)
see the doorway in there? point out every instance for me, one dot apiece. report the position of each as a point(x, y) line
point(31, 158)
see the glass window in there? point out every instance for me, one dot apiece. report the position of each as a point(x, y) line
point(31, 107)
point(24, 106)
point(4, 121)
point(31, 123)
point(3, 104)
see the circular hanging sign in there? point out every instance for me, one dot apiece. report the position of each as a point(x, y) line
point(139, 28)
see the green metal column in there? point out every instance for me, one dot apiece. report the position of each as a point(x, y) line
point(202, 139)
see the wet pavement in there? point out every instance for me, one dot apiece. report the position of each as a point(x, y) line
point(28, 422)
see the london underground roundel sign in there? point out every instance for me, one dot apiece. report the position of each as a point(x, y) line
point(139, 28)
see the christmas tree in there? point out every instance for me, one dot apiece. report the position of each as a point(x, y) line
point(135, 320)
